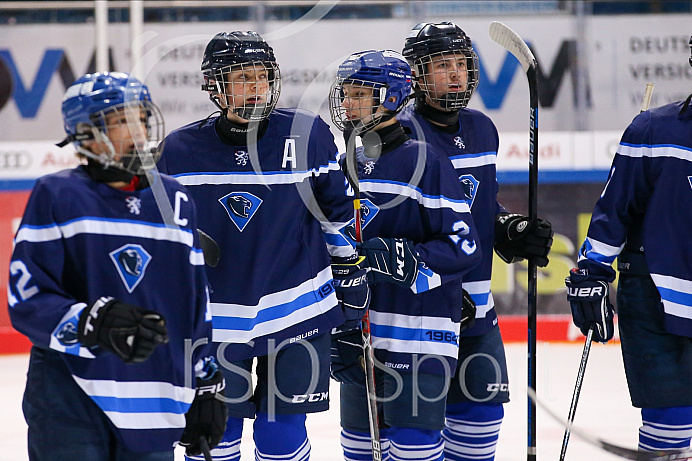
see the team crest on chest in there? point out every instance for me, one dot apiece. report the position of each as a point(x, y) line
point(459, 142)
point(131, 261)
point(368, 211)
point(470, 186)
point(241, 207)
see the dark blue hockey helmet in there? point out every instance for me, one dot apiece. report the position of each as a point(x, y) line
point(429, 43)
point(385, 74)
point(248, 52)
point(86, 106)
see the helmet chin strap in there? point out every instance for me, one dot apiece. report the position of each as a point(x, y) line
point(446, 118)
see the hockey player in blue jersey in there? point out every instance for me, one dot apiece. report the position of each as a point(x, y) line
point(642, 218)
point(419, 239)
point(445, 69)
point(274, 198)
point(112, 297)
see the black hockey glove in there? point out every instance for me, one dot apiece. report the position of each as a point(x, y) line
point(517, 239)
point(347, 357)
point(468, 311)
point(128, 331)
point(351, 286)
point(591, 308)
point(208, 413)
point(393, 260)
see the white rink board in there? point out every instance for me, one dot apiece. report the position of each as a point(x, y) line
point(558, 151)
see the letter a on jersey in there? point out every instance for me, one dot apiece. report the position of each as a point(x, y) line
point(241, 207)
point(131, 261)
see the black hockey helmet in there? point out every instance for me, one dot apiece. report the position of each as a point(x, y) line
point(428, 40)
point(690, 50)
point(237, 50)
point(231, 48)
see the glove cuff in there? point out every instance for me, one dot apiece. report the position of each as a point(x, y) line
point(90, 321)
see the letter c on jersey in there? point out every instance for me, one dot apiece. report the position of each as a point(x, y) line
point(178, 197)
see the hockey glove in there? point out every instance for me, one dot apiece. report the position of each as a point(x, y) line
point(468, 311)
point(393, 260)
point(590, 305)
point(128, 331)
point(517, 239)
point(347, 357)
point(351, 286)
point(208, 413)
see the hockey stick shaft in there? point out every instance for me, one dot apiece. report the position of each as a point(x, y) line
point(368, 351)
point(646, 100)
point(206, 452)
point(511, 41)
point(622, 452)
point(577, 391)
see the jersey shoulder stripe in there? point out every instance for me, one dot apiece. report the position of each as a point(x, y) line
point(103, 226)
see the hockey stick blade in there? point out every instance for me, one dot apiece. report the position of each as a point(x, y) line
point(623, 452)
point(210, 249)
point(511, 41)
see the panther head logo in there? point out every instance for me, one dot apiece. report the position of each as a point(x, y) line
point(469, 188)
point(240, 205)
point(131, 261)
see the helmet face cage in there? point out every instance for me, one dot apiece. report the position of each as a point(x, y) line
point(368, 85)
point(354, 104)
point(250, 90)
point(126, 136)
point(439, 76)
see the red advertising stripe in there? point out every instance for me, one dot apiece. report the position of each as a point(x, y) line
point(548, 327)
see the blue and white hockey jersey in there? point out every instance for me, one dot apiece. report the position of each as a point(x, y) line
point(646, 203)
point(80, 240)
point(473, 152)
point(412, 192)
point(266, 205)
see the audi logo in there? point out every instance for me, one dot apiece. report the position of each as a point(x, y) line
point(14, 159)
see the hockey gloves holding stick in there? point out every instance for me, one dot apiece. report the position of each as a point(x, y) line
point(393, 260)
point(206, 418)
point(590, 304)
point(517, 239)
point(351, 286)
point(128, 331)
point(347, 363)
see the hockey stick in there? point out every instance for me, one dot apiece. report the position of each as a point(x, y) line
point(577, 390)
point(646, 100)
point(368, 351)
point(205, 448)
point(617, 450)
point(509, 39)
